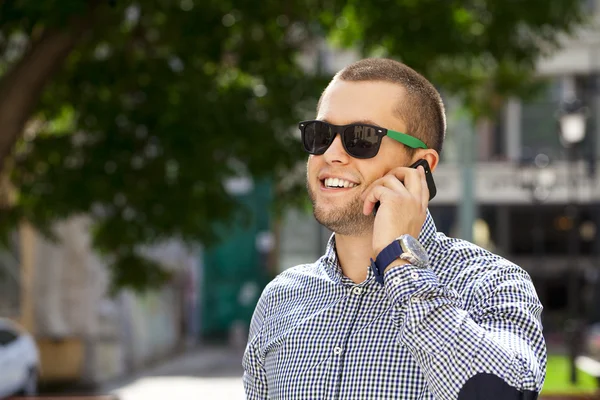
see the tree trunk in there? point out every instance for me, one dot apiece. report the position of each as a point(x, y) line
point(21, 87)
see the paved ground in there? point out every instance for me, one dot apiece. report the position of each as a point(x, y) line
point(203, 373)
point(209, 372)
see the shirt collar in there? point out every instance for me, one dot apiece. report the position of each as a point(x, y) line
point(332, 265)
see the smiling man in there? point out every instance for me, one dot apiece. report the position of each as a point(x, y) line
point(393, 309)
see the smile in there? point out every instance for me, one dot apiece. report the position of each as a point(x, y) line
point(337, 183)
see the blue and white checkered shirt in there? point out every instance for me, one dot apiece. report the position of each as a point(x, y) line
point(468, 327)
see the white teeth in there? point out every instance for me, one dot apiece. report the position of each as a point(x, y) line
point(341, 183)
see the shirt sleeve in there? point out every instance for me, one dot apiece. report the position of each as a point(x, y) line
point(255, 377)
point(489, 345)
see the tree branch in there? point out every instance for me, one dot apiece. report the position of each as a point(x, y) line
point(22, 86)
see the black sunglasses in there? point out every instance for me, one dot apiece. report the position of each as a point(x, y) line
point(359, 140)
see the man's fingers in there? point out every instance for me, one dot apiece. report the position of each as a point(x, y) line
point(411, 178)
point(401, 181)
point(375, 195)
point(391, 182)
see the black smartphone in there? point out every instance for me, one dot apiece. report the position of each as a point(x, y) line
point(428, 176)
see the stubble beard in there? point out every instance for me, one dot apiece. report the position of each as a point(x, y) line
point(348, 220)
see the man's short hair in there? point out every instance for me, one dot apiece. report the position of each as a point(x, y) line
point(421, 109)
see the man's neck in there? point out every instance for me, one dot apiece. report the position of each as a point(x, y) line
point(354, 254)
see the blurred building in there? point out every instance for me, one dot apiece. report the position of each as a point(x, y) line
point(59, 291)
point(523, 183)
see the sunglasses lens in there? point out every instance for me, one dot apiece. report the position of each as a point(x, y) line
point(317, 137)
point(361, 141)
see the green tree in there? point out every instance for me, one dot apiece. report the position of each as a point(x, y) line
point(480, 50)
point(137, 113)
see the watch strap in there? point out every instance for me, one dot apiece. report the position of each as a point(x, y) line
point(390, 253)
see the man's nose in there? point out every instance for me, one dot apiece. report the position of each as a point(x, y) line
point(336, 152)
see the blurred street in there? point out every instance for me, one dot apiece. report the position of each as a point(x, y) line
point(211, 372)
point(153, 174)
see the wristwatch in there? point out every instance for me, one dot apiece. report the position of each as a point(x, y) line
point(406, 248)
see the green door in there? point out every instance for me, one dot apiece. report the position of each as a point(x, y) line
point(235, 271)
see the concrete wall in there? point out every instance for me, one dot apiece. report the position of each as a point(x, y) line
point(74, 314)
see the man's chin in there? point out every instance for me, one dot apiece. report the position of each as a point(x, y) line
point(344, 222)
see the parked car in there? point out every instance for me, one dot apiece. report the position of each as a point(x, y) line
point(19, 360)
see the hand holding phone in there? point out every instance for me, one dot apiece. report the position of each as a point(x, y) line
point(428, 177)
point(402, 192)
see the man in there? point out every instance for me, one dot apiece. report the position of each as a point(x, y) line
point(394, 309)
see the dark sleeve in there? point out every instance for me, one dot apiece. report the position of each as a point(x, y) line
point(491, 387)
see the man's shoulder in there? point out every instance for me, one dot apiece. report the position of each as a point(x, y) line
point(296, 279)
point(463, 254)
point(464, 264)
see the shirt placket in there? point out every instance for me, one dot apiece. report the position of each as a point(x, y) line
point(350, 309)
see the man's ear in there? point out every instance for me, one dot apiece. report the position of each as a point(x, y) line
point(432, 157)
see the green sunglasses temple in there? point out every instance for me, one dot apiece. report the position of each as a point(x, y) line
point(408, 140)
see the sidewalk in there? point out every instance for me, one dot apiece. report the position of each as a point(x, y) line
point(208, 370)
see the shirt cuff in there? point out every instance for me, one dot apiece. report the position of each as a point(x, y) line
point(406, 281)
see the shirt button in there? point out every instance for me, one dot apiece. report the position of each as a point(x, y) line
point(415, 299)
point(414, 275)
point(357, 291)
point(337, 350)
point(396, 281)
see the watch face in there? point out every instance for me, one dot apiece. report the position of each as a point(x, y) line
point(414, 247)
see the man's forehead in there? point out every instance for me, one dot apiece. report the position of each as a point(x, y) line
point(367, 87)
point(346, 102)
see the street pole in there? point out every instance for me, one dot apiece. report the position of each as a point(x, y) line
point(572, 123)
point(467, 204)
point(539, 182)
point(538, 249)
point(573, 263)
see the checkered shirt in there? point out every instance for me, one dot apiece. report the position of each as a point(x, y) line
point(315, 334)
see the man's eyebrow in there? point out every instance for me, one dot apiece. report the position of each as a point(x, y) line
point(367, 122)
point(360, 121)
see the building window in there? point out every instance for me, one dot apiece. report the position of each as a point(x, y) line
point(539, 127)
